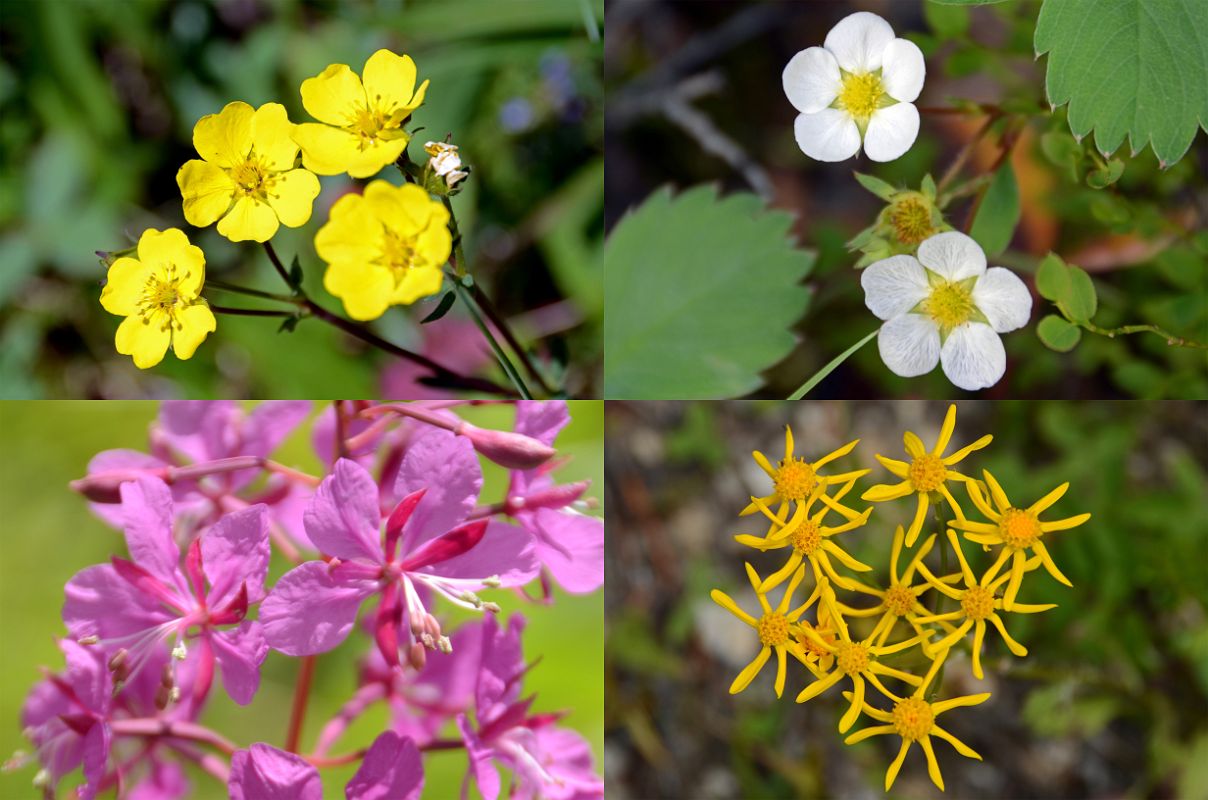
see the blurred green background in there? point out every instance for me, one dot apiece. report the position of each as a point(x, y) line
point(98, 99)
point(695, 97)
point(1109, 702)
point(50, 535)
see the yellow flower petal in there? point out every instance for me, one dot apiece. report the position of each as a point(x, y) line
point(960, 746)
point(334, 95)
point(377, 155)
point(327, 150)
point(249, 219)
point(163, 249)
point(852, 713)
point(780, 671)
point(293, 194)
point(894, 767)
point(945, 431)
point(208, 192)
point(364, 288)
point(351, 234)
point(979, 635)
point(933, 767)
point(725, 601)
point(886, 491)
point(750, 671)
point(146, 341)
point(226, 137)
point(405, 208)
point(956, 702)
point(124, 286)
point(819, 686)
point(272, 135)
point(417, 282)
point(390, 81)
point(197, 321)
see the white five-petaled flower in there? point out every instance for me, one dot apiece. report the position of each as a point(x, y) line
point(946, 306)
point(860, 85)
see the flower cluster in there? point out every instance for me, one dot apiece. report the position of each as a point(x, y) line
point(385, 247)
point(394, 527)
point(913, 632)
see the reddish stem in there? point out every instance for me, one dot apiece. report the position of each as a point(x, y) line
point(153, 726)
point(297, 714)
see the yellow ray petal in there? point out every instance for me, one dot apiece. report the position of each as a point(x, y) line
point(960, 455)
point(914, 445)
point(844, 558)
point(725, 601)
point(960, 746)
point(875, 730)
point(896, 765)
point(996, 492)
point(916, 525)
point(788, 595)
point(960, 557)
point(988, 577)
point(780, 671)
point(933, 767)
point(1047, 560)
point(788, 441)
point(1018, 567)
point(750, 671)
point(945, 431)
point(979, 635)
point(956, 702)
point(883, 492)
point(853, 712)
point(1014, 646)
point(1048, 500)
point(831, 456)
point(763, 463)
point(899, 469)
point(1064, 524)
point(777, 577)
point(979, 500)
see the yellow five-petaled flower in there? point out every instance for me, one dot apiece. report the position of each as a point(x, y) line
point(159, 294)
point(362, 117)
point(247, 179)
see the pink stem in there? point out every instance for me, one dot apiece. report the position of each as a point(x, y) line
point(153, 726)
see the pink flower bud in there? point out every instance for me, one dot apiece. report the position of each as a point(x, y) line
point(553, 497)
point(105, 487)
point(507, 449)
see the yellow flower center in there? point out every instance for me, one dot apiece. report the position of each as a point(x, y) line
point(899, 600)
point(913, 718)
point(162, 297)
point(1018, 528)
point(808, 538)
point(927, 473)
point(852, 657)
point(809, 644)
point(977, 602)
point(861, 94)
point(911, 220)
point(398, 253)
point(773, 629)
point(794, 479)
point(251, 178)
point(949, 304)
point(368, 123)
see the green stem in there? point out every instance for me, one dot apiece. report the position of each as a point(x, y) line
point(1171, 339)
point(488, 308)
point(251, 312)
point(500, 356)
point(805, 388)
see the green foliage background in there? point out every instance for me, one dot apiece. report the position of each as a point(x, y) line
point(98, 99)
point(49, 535)
point(1109, 701)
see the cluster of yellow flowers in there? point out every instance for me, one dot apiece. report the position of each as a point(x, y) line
point(829, 645)
point(384, 247)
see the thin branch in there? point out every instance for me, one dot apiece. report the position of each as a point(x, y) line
point(297, 714)
point(153, 726)
point(251, 312)
point(1171, 339)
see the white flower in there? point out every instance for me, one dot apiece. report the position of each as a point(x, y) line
point(445, 158)
point(860, 85)
point(946, 306)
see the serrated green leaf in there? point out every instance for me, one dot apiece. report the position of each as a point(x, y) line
point(880, 188)
point(1053, 278)
point(1058, 334)
point(1103, 177)
point(699, 292)
point(441, 309)
point(1130, 68)
point(998, 213)
point(1081, 302)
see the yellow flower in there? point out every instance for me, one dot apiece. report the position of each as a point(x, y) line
point(363, 120)
point(809, 539)
point(900, 601)
point(247, 179)
point(796, 480)
point(773, 627)
point(856, 660)
point(1017, 529)
point(159, 294)
point(978, 604)
point(913, 719)
point(383, 248)
point(926, 475)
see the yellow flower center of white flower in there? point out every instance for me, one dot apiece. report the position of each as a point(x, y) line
point(949, 304)
point(773, 629)
point(1018, 529)
point(861, 94)
point(913, 718)
point(899, 600)
point(794, 479)
point(927, 473)
point(977, 602)
point(852, 657)
point(911, 220)
point(808, 538)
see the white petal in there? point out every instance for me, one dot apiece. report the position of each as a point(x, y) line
point(973, 356)
point(909, 345)
point(829, 135)
point(953, 255)
point(1003, 298)
point(812, 80)
point(894, 285)
point(891, 131)
point(903, 70)
point(859, 40)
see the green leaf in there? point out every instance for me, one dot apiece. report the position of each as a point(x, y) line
point(948, 20)
point(1105, 176)
point(441, 309)
point(1058, 334)
point(1130, 68)
point(1053, 278)
point(288, 324)
point(880, 188)
point(998, 213)
point(1082, 301)
point(295, 275)
point(700, 292)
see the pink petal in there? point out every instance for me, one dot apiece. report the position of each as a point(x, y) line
point(482, 765)
point(165, 781)
point(447, 467)
point(541, 419)
point(506, 551)
point(199, 430)
point(235, 551)
point(392, 770)
point(240, 652)
point(502, 665)
point(344, 519)
point(323, 438)
point(147, 518)
point(572, 547)
point(96, 759)
point(270, 424)
point(99, 602)
point(88, 674)
point(310, 612)
point(118, 461)
point(263, 772)
point(567, 757)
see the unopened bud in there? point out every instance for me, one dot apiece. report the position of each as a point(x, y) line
point(105, 487)
point(556, 496)
point(507, 449)
point(417, 656)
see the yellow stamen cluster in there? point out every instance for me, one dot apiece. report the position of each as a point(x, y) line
point(911, 220)
point(950, 304)
point(861, 95)
point(915, 608)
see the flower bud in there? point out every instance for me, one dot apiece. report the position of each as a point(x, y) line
point(507, 449)
point(105, 487)
point(554, 497)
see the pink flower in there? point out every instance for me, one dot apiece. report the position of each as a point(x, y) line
point(569, 544)
point(314, 606)
point(455, 343)
point(549, 762)
point(129, 608)
point(392, 770)
point(67, 718)
point(263, 772)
